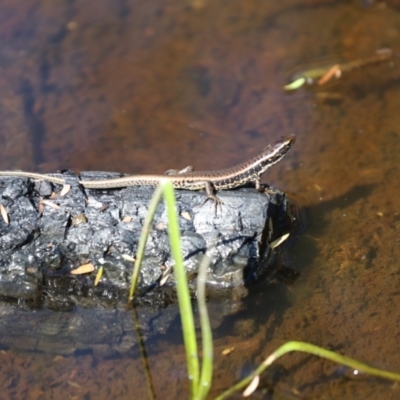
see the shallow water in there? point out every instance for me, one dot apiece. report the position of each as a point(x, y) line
point(145, 87)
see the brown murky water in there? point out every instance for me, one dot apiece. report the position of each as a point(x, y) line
point(147, 86)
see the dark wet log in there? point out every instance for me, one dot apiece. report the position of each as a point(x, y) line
point(105, 330)
point(45, 241)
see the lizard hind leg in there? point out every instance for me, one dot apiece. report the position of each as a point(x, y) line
point(210, 190)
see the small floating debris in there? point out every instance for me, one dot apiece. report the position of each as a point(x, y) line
point(66, 188)
point(322, 75)
point(83, 269)
point(98, 276)
point(335, 71)
point(160, 226)
point(227, 351)
point(50, 204)
point(186, 215)
point(166, 274)
point(4, 214)
point(127, 257)
point(279, 241)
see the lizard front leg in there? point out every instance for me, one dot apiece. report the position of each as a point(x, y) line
point(189, 168)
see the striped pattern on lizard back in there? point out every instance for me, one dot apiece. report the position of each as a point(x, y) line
point(239, 175)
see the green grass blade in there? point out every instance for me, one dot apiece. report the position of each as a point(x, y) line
point(330, 355)
point(206, 332)
point(185, 306)
point(143, 240)
point(315, 350)
point(296, 84)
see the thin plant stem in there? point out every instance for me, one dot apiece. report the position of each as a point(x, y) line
point(185, 306)
point(206, 332)
point(155, 200)
point(311, 349)
point(143, 356)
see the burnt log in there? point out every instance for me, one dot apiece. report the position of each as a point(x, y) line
point(45, 235)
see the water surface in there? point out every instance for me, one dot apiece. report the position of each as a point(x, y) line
point(147, 86)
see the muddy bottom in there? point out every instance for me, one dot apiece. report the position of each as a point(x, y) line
point(145, 87)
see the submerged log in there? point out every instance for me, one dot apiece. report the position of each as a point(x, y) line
point(45, 235)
